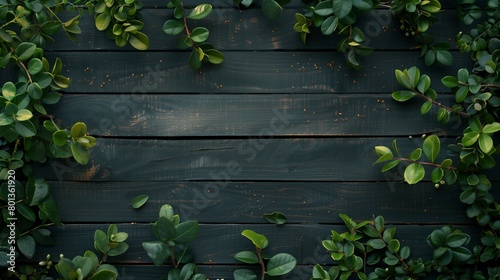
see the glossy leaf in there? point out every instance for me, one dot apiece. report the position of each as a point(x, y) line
point(276, 218)
point(26, 245)
point(200, 11)
point(244, 274)
point(342, 8)
point(259, 240)
point(157, 251)
point(139, 201)
point(414, 173)
point(186, 232)
point(431, 147)
point(139, 41)
point(281, 264)
point(403, 95)
point(247, 257)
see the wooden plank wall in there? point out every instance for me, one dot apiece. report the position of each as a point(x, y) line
point(279, 126)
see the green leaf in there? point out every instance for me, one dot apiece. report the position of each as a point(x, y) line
point(485, 143)
point(271, 9)
point(390, 165)
point(342, 8)
point(391, 260)
point(167, 211)
point(60, 137)
point(79, 129)
point(394, 245)
point(104, 275)
point(186, 232)
point(61, 81)
point(34, 66)
point(23, 115)
point(437, 174)
point(416, 154)
point(195, 59)
point(164, 229)
point(5, 119)
point(414, 173)
point(470, 138)
point(431, 147)
point(25, 128)
point(491, 128)
point(463, 75)
point(41, 191)
point(25, 50)
point(139, 41)
point(200, 11)
point(329, 25)
point(27, 246)
point(403, 78)
point(324, 8)
point(101, 241)
point(405, 252)
point(281, 264)
point(247, 257)
point(276, 218)
point(424, 109)
point(102, 21)
point(244, 274)
point(25, 211)
point(455, 240)
point(214, 56)
point(199, 34)
point(468, 197)
point(9, 90)
point(444, 57)
point(383, 153)
point(461, 94)
point(257, 239)
point(403, 95)
point(80, 153)
point(376, 243)
point(139, 201)
point(424, 82)
point(449, 81)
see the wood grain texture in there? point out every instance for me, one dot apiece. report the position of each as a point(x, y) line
point(252, 159)
point(240, 115)
point(246, 202)
point(304, 72)
point(249, 30)
point(216, 244)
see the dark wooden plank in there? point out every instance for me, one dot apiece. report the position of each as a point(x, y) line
point(246, 202)
point(247, 115)
point(231, 29)
point(446, 4)
point(216, 244)
point(242, 72)
point(253, 159)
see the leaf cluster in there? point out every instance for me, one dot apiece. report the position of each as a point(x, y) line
point(368, 243)
point(196, 39)
point(121, 20)
point(476, 93)
point(171, 245)
point(271, 266)
point(335, 16)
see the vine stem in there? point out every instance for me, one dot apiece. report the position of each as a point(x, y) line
point(424, 163)
point(35, 228)
point(261, 262)
point(25, 70)
point(465, 115)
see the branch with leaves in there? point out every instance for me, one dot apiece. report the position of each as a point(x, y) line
point(195, 38)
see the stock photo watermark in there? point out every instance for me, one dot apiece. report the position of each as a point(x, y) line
point(11, 220)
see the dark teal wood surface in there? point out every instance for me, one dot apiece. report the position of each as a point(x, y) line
point(279, 126)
